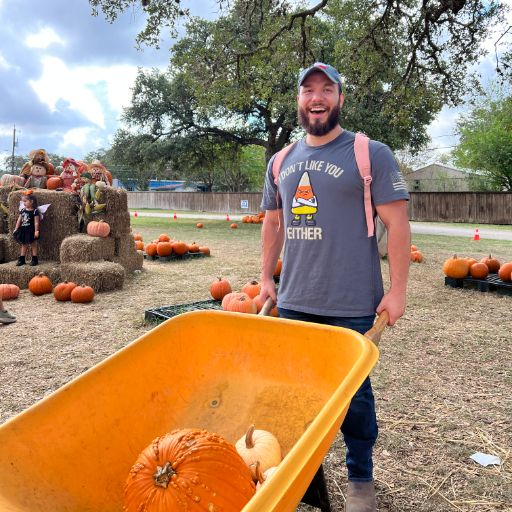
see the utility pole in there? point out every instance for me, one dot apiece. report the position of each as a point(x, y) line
point(13, 146)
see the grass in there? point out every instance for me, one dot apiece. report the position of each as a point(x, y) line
point(441, 384)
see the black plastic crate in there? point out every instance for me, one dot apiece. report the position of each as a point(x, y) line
point(175, 257)
point(163, 313)
point(492, 283)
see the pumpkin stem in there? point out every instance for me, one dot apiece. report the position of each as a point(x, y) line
point(259, 474)
point(163, 475)
point(249, 441)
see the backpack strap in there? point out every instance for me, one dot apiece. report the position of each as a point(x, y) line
point(278, 160)
point(362, 153)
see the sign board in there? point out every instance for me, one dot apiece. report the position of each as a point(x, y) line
point(244, 203)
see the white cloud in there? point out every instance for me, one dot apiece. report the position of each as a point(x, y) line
point(3, 62)
point(76, 137)
point(44, 38)
point(60, 82)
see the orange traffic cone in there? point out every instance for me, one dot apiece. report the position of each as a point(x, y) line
point(476, 234)
point(174, 216)
point(135, 214)
point(227, 217)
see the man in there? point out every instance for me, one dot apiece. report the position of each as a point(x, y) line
point(331, 267)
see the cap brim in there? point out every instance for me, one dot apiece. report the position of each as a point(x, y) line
point(314, 70)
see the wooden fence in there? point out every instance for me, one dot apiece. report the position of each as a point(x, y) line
point(471, 207)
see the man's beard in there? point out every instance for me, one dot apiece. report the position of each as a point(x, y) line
point(318, 128)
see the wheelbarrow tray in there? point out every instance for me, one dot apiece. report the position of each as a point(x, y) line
point(220, 371)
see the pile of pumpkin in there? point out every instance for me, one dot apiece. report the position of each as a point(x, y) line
point(416, 255)
point(459, 268)
point(41, 285)
point(253, 219)
point(247, 300)
point(164, 245)
point(197, 470)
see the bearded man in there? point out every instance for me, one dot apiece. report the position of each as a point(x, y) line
point(316, 208)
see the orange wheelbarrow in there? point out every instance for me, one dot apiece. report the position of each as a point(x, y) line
point(220, 371)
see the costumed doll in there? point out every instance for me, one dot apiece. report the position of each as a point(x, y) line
point(99, 173)
point(26, 231)
point(37, 156)
point(37, 175)
point(69, 174)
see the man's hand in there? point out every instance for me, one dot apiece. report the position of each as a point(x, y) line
point(268, 289)
point(394, 304)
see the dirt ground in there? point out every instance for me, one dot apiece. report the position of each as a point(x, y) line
point(442, 383)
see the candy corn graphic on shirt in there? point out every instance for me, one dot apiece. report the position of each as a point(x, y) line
point(330, 266)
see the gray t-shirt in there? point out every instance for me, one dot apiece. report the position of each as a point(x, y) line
point(330, 266)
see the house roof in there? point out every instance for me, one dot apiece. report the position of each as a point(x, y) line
point(444, 166)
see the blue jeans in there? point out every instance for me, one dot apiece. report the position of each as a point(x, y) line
point(360, 425)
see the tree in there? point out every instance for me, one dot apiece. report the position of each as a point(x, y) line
point(9, 168)
point(234, 77)
point(486, 141)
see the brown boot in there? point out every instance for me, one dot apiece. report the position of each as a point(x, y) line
point(361, 497)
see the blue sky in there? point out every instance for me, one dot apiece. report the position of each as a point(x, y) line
point(66, 75)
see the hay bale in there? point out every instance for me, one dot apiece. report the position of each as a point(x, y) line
point(116, 211)
point(127, 255)
point(4, 194)
point(20, 276)
point(83, 248)
point(60, 220)
point(10, 249)
point(102, 276)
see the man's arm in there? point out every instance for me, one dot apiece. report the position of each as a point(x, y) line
point(394, 215)
point(272, 239)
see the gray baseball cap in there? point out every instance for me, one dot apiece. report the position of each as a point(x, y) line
point(326, 69)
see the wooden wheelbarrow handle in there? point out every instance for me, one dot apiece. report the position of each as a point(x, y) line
point(373, 334)
point(265, 310)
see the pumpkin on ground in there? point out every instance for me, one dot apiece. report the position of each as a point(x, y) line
point(199, 225)
point(9, 291)
point(219, 288)
point(492, 264)
point(139, 245)
point(40, 284)
point(192, 470)
point(457, 268)
point(164, 238)
point(137, 236)
point(413, 248)
point(259, 445)
point(234, 225)
point(62, 292)
point(98, 228)
point(229, 297)
point(505, 271)
point(416, 256)
point(193, 247)
point(478, 270)
point(82, 294)
point(151, 249)
point(204, 250)
point(471, 261)
point(180, 248)
point(164, 249)
point(242, 304)
point(252, 288)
